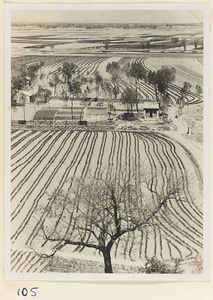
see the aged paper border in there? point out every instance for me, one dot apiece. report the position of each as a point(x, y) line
point(74, 276)
point(112, 288)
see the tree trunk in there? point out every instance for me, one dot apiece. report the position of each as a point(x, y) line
point(136, 90)
point(107, 261)
point(71, 107)
point(156, 93)
point(115, 91)
point(131, 108)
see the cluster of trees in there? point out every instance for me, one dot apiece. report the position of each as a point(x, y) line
point(23, 77)
point(185, 91)
point(43, 94)
point(160, 80)
point(130, 74)
point(99, 211)
point(136, 73)
point(176, 42)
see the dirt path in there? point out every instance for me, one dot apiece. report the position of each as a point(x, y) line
point(180, 135)
point(180, 125)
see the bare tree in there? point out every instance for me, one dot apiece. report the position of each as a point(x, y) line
point(161, 79)
point(69, 69)
point(54, 82)
point(98, 211)
point(106, 44)
point(98, 83)
point(184, 91)
point(129, 98)
point(113, 69)
point(175, 41)
point(196, 41)
point(138, 73)
point(184, 43)
point(148, 45)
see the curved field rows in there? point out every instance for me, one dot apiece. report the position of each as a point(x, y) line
point(194, 110)
point(24, 261)
point(86, 66)
point(155, 63)
point(146, 91)
point(44, 161)
point(188, 70)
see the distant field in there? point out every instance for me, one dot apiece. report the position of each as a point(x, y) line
point(69, 40)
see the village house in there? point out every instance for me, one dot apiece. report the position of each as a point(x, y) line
point(151, 109)
point(24, 97)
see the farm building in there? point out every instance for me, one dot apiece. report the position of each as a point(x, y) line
point(27, 95)
point(151, 109)
point(24, 97)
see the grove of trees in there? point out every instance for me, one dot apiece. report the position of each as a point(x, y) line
point(160, 80)
point(22, 77)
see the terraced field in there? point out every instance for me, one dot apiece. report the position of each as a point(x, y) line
point(187, 70)
point(86, 65)
point(44, 160)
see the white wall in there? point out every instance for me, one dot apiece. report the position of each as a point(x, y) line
point(17, 113)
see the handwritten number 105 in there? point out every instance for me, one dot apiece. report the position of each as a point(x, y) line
point(24, 292)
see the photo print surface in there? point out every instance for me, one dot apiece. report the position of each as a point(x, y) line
point(106, 127)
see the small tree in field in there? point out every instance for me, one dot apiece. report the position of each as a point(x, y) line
point(69, 69)
point(98, 82)
point(54, 82)
point(184, 44)
point(129, 98)
point(175, 42)
point(100, 210)
point(113, 69)
point(137, 72)
point(143, 45)
point(199, 89)
point(74, 89)
point(148, 45)
point(106, 44)
point(184, 91)
point(196, 41)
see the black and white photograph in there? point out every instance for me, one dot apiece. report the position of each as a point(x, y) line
point(107, 141)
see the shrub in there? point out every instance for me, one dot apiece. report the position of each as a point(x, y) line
point(22, 122)
point(82, 123)
point(128, 117)
point(155, 266)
